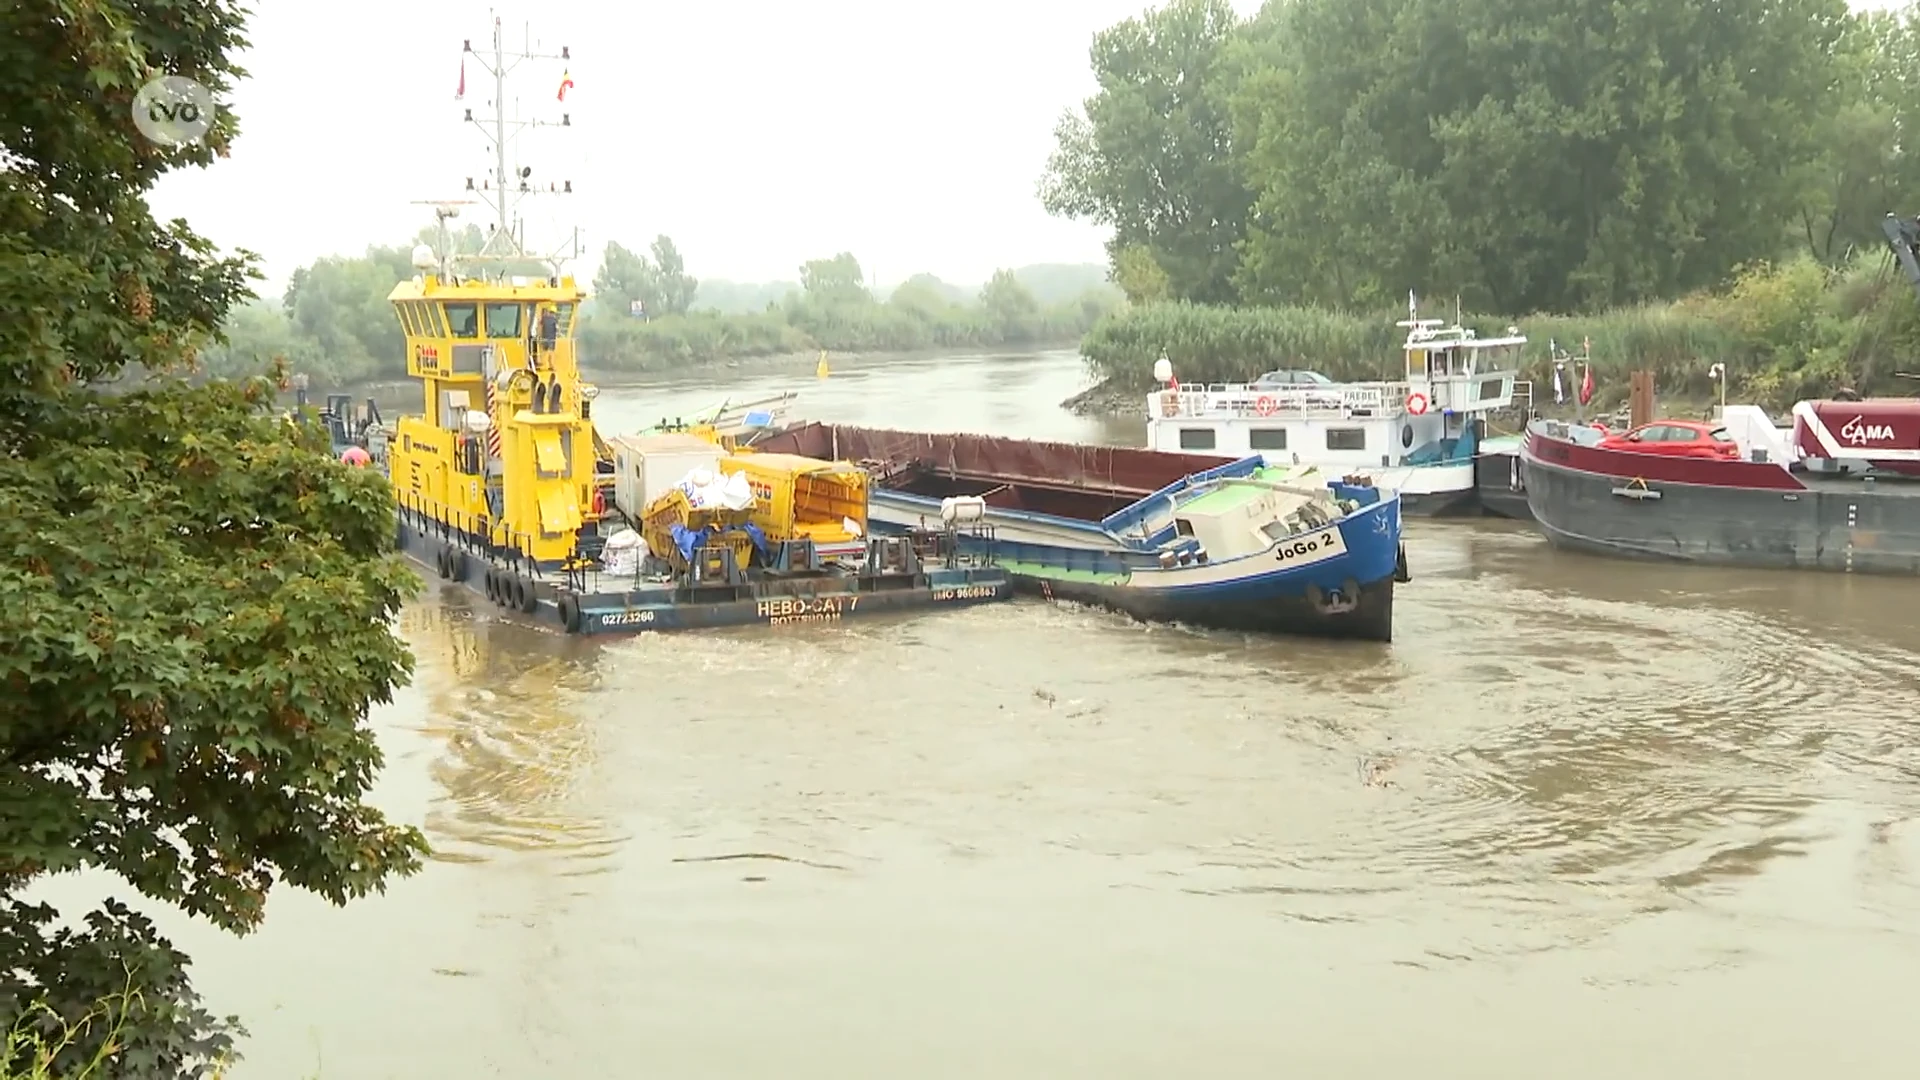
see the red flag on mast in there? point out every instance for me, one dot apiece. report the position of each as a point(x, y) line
point(462, 92)
point(566, 84)
point(1586, 386)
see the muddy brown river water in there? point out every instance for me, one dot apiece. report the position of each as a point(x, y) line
point(1583, 819)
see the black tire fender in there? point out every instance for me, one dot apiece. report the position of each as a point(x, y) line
point(457, 566)
point(570, 616)
point(529, 596)
point(440, 562)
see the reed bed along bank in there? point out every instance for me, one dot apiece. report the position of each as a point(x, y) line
point(1783, 332)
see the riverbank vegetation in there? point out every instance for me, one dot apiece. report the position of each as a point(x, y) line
point(1785, 332)
point(647, 313)
point(835, 310)
point(1684, 181)
point(196, 598)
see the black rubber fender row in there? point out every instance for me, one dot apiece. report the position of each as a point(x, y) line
point(510, 590)
point(451, 564)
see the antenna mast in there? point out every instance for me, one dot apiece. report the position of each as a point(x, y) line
point(504, 188)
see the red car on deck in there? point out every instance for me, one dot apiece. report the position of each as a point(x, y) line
point(1675, 438)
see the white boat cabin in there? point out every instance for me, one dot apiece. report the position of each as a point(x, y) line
point(1302, 417)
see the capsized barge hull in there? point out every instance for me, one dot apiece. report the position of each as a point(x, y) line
point(901, 574)
point(1755, 513)
point(1160, 536)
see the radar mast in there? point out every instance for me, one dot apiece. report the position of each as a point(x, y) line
point(512, 178)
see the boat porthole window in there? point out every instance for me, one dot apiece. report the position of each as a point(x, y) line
point(1406, 435)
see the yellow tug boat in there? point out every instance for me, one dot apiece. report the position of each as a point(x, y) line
point(503, 484)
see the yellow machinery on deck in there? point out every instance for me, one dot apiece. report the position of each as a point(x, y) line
point(504, 450)
point(801, 498)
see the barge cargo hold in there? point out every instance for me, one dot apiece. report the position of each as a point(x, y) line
point(1838, 492)
point(1206, 541)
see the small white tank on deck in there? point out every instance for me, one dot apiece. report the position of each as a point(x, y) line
point(624, 551)
point(962, 509)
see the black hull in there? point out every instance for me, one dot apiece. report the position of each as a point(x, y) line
point(1839, 525)
point(1501, 481)
point(1369, 620)
point(655, 609)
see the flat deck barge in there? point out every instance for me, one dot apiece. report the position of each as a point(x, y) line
point(926, 570)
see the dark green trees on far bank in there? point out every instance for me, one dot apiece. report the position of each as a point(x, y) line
point(1660, 166)
point(1527, 156)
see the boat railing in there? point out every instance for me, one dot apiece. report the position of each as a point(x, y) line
point(470, 532)
point(1234, 400)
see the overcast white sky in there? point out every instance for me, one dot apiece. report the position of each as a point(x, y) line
point(756, 133)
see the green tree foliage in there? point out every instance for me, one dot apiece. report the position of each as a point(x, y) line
point(1786, 332)
point(334, 321)
point(1139, 276)
point(659, 283)
point(1865, 170)
point(1526, 157)
point(1151, 155)
point(195, 599)
point(835, 310)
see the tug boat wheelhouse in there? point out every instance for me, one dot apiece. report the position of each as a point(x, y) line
point(503, 485)
point(1416, 437)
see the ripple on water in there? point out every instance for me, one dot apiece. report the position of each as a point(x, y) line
point(1705, 741)
point(514, 745)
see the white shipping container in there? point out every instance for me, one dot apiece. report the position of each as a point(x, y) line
point(646, 466)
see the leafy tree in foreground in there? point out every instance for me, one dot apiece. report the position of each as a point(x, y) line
point(194, 598)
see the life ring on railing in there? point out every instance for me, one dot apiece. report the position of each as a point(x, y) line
point(1417, 404)
point(1170, 403)
point(1264, 405)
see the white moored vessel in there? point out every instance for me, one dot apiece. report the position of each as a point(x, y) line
point(1416, 437)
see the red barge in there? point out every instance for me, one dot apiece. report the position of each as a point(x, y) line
point(1838, 490)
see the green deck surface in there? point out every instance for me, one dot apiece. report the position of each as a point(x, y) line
point(1055, 573)
point(1230, 495)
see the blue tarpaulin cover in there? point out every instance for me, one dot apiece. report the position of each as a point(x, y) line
point(688, 540)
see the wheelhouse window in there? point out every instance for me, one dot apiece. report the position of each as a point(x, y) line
point(463, 320)
point(503, 320)
point(407, 322)
point(1346, 438)
point(1196, 438)
point(429, 319)
point(565, 311)
point(1267, 439)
